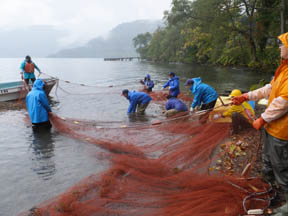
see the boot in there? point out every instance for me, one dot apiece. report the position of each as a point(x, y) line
point(268, 175)
point(282, 210)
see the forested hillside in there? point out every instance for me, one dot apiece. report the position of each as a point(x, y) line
point(226, 32)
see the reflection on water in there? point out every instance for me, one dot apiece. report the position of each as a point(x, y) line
point(43, 154)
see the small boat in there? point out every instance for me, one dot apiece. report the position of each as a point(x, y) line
point(16, 90)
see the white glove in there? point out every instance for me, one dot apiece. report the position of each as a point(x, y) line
point(191, 109)
point(216, 116)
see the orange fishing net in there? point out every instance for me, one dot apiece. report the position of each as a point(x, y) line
point(156, 169)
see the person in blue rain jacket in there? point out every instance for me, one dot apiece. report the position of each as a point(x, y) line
point(138, 100)
point(38, 106)
point(173, 84)
point(148, 83)
point(174, 106)
point(205, 96)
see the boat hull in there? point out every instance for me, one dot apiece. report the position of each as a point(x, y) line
point(16, 90)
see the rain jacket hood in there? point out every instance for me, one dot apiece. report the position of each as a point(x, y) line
point(37, 103)
point(148, 77)
point(284, 39)
point(137, 98)
point(38, 84)
point(197, 81)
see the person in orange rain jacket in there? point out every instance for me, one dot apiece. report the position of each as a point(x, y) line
point(275, 121)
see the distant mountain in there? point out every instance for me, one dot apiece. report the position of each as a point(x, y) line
point(37, 41)
point(119, 42)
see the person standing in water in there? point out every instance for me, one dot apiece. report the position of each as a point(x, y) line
point(38, 107)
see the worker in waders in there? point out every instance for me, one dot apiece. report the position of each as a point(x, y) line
point(174, 106)
point(205, 96)
point(38, 107)
point(173, 83)
point(138, 100)
point(242, 115)
point(27, 70)
point(275, 122)
point(148, 83)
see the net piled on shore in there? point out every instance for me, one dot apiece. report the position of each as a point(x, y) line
point(155, 170)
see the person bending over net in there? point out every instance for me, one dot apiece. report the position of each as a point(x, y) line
point(174, 106)
point(173, 84)
point(38, 107)
point(27, 70)
point(148, 83)
point(242, 115)
point(138, 100)
point(203, 94)
point(275, 122)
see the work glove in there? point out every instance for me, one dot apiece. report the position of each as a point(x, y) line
point(192, 109)
point(217, 116)
point(258, 123)
point(240, 99)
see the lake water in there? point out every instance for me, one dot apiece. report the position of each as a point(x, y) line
point(35, 168)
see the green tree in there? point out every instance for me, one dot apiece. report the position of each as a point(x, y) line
point(141, 43)
point(228, 32)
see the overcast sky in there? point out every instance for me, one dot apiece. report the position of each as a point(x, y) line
point(83, 19)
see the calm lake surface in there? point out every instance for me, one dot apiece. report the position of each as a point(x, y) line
point(34, 168)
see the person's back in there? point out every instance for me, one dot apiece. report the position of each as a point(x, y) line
point(203, 94)
point(37, 103)
point(243, 109)
point(206, 93)
point(174, 103)
point(174, 106)
point(139, 97)
point(139, 100)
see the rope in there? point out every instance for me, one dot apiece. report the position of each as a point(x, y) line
point(190, 115)
point(86, 85)
point(194, 114)
point(255, 194)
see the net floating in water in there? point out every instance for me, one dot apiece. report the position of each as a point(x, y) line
point(157, 169)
